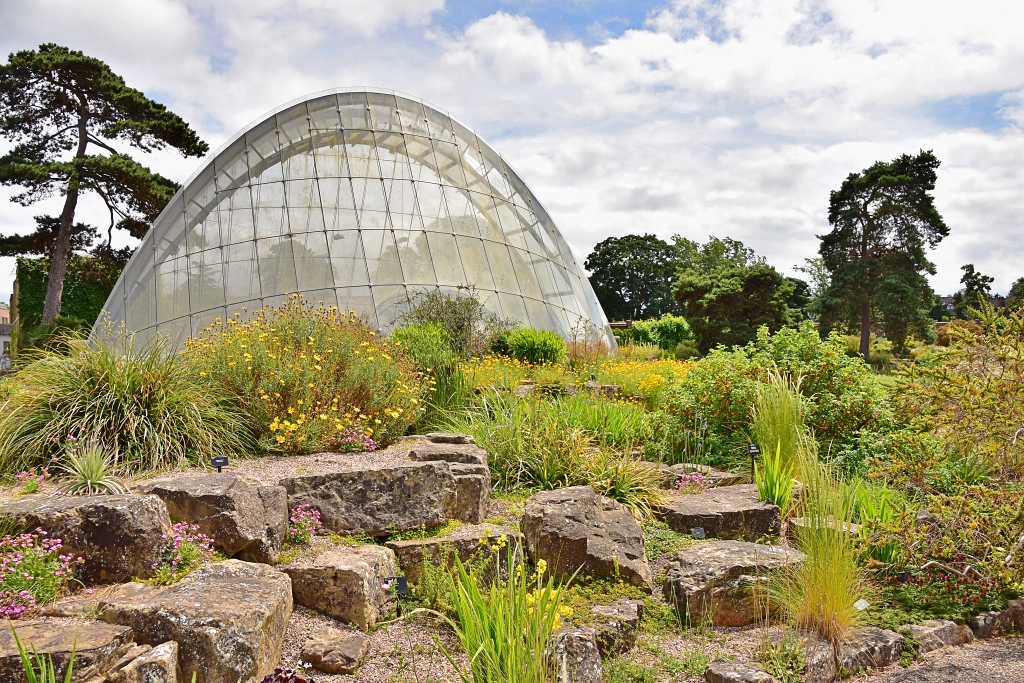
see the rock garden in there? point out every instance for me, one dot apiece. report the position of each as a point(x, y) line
point(295, 496)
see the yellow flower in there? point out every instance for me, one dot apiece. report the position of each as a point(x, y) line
point(290, 410)
point(310, 385)
point(565, 611)
point(542, 566)
point(202, 374)
point(280, 439)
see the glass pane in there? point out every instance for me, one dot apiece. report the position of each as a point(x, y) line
point(514, 308)
point(312, 262)
point(421, 159)
point(203, 322)
point(447, 263)
point(329, 153)
point(277, 266)
point(304, 212)
point(495, 172)
point(472, 160)
point(439, 124)
point(522, 261)
point(140, 311)
point(383, 111)
point(449, 163)
point(357, 300)
point(201, 219)
point(389, 302)
point(400, 196)
point(463, 215)
point(474, 260)
point(231, 167)
point(412, 117)
point(205, 280)
point(352, 108)
point(169, 232)
point(263, 151)
point(268, 201)
point(501, 267)
point(241, 273)
point(347, 259)
point(538, 311)
point(235, 216)
point(371, 207)
point(298, 160)
point(486, 218)
point(392, 157)
point(382, 260)
point(336, 193)
point(360, 150)
point(432, 208)
point(414, 253)
point(171, 289)
point(520, 194)
point(323, 113)
point(296, 148)
point(175, 331)
point(325, 299)
point(510, 224)
point(293, 125)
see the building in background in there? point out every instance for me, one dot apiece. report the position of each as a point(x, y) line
point(5, 336)
point(359, 199)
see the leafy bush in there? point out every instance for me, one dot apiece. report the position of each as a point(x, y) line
point(666, 332)
point(308, 378)
point(187, 550)
point(148, 408)
point(470, 326)
point(640, 352)
point(535, 346)
point(685, 350)
point(33, 571)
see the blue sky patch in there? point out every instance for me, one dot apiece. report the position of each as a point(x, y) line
point(977, 111)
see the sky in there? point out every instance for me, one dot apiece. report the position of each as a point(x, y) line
point(732, 118)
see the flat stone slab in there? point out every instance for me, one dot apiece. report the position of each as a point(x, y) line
point(335, 652)
point(727, 512)
point(378, 501)
point(714, 580)
point(938, 633)
point(346, 584)
point(736, 672)
point(119, 536)
point(465, 542)
point(97, 647)
point(869, 648)
point(228, 618)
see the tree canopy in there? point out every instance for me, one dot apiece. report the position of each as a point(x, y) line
point(632, 276)
point(882, 219)
point(1015, 298)
point(56, 104)
point(975, 285)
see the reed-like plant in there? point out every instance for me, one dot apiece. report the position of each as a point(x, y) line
point(89, 470)
point(775, 480)
point(777, 417)
point(41, 670)
point(151, 408)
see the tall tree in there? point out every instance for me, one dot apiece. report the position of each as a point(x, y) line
point(632, 276)
point(56, 104)
point(882, 219)
point(44, 239)
point(1015, 298)
point(975, 285)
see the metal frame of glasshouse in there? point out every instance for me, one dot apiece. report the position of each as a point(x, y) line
point(359, 198)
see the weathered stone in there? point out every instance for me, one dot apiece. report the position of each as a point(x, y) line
point(133, 653)
point(577, 659)
point(346, 583)
point(448, 437)
point(988, 624)
point(158, 665)
point(592, 386)
point(228, 618)
point(926, 518)
point(378, 501)
point(617, 625)
point(736, 672)
point(727, 512)
point(819, 654)
point(472, 496)
point(335, 652)
point(96, 645)
point(524, 390)
point(575, 529)
point(244, 518)
point(465, 542)
point(937, 633)
point(610, 390)
point(715, 580)
point(468, 454)
point(869, 648)
point(119, 537)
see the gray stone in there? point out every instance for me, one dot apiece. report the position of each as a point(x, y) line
point(616, 625)
point(335, 652)
point(988, 624)
point(157, 665)
point(727, 512)
point(448, 437)
point(131, 655)
point(926, 518)
point(577, 659)
point(378, 501)
point(97, 646)
point(937, 633)
point(244, 518)
point(465, 542)
point(819, 655)
point(228, 618)
point(524, 390)
point(468, 465)
point(592, 386)
point(346, 584)
point(429, 451)
point(610, 390)
point(715, 580)
point(574, 529)
point(869, 648)
point(120, 537)
point(736, 672)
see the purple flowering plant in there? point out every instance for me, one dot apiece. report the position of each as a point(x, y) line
point(305, 522)
point(354, 440)
point(187, 550)
point(33, 571)
point(692, 482)
point(32, 480)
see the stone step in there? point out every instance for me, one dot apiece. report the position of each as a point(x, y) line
point(466, 542)
point(729, 512)
point(97, 647)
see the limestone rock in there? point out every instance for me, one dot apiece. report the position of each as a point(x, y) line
point(448, 451)
point(714, 580)
point(869, 648)
point(575, 529)
point(335, 652)
point(577, 659)
point(378, 501)
point(988, 624)
point(448, 437)
point(469, 467)
point(228, 618)
point(736, 672)
point(244, 518)
point(524, 390)
point(937, 633)
point(464, 542)
point(346, 583)
point(97, 646)
point(157, 665)
point(666, 477)
point(119, 536)
point(617, 625)
point(727, 512)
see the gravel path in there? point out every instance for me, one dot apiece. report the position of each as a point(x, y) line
point(987, 661)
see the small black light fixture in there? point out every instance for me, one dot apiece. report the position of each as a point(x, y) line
point(697, 532)
point(397, 586)
point(754, 450)
point(903, 577)
point(219, 461)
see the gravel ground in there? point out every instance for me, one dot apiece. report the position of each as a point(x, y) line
point(1000, 660)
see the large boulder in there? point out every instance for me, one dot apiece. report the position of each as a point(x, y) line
point(938, 633)
point(244, 518)
point(574, 529)
point(468, 466)
point(466, 542)
point(97, 647)
point(346, 584)
point(715, 580)
point(378, 501)
point(335, 652)
point(156, 665)
point(736, 672)
point(119, 537)
point(726, 512)
point(228, 618)
point(577, 659)
point(869, 647)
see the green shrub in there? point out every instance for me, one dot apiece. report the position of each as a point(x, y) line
point(470, 326)
point(685, 350)
point(149, 409)
point(535, 346)
point(311, 379)
point(430, 347)
point(666, 332)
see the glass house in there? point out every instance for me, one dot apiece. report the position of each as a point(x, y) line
point(358, 198)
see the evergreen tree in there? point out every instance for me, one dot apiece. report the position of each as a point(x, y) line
point(975, 285)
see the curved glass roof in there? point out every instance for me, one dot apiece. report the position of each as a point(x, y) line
point(358, 198)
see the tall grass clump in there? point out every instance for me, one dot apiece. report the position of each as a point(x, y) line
point(147, 407)
point(528, 345)
point(774, 481)
point(311, 378)
point(777, 418)
point(430, 347)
